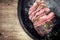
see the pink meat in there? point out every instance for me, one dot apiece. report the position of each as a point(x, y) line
point(36, 11)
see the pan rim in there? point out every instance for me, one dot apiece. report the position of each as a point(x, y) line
point(21, 22)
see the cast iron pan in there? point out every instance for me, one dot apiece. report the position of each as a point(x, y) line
point(23, 8)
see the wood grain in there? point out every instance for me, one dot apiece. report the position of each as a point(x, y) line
point(10, 28)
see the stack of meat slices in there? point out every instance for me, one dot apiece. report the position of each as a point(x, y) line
point(41, 17)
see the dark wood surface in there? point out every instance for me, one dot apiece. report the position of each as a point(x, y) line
point(10, 28)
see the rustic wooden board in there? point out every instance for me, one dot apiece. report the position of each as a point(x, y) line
point(10, 28)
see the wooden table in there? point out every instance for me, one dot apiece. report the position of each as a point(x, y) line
point(10, 28)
